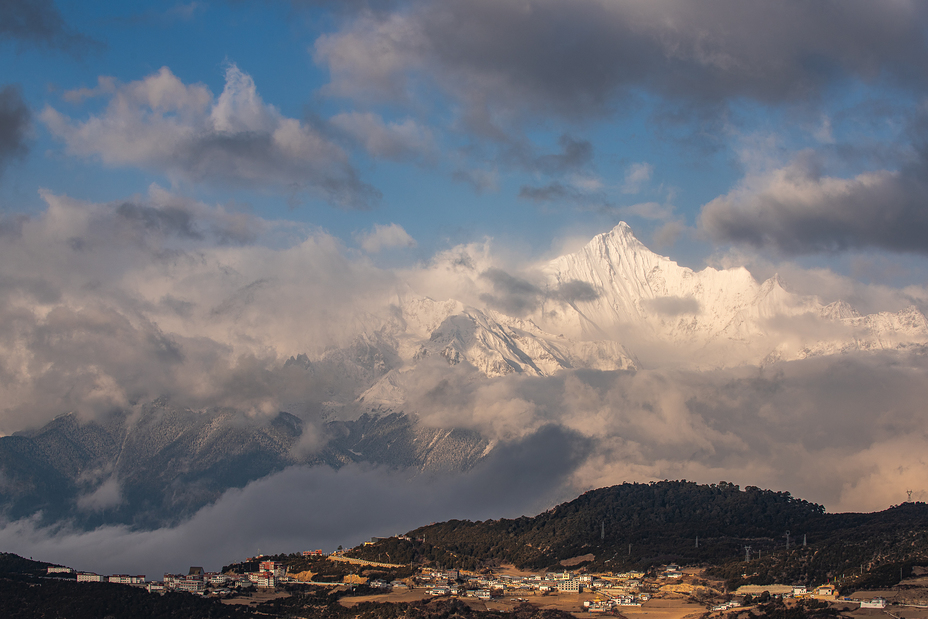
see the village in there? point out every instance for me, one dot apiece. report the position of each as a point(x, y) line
point(667, 592)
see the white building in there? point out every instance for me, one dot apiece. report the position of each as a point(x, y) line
point(191, 583)
point(89, 577)
point(263, 579)
point(125, 579)
point(215, 578)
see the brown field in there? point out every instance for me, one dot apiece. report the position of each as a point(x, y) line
point(405, 596)
point(511, 570)
point(257, 598)
point(665, 608)
point(908, 596)
point(900, 612)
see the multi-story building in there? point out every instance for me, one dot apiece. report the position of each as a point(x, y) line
point(125, 579)
point(277, 568)
point(262, 579)
point(190, 583)
point(215, 578)
point(89, 577)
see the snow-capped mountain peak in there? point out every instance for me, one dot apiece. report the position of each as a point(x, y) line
point(716, 317)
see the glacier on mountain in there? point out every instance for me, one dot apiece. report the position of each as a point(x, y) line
point(615, 302)
point(707, 318)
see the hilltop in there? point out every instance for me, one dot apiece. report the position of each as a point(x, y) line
point(643, 525)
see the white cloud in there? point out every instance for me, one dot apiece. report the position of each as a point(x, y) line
point(106, 496)
point(397, 141)
point(162, 124)
point(385, 237)
point(106, 305)
point(636, 176)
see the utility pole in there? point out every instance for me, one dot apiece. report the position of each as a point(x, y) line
point(697, 541)
point(787, 540)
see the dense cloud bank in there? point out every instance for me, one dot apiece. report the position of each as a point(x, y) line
point(304, 508)
point(109, 306)
point(498, 61)
point(844, 432)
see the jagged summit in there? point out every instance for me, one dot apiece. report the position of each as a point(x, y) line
point(713, 317)
point(613, 303)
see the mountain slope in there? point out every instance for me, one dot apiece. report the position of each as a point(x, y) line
point(168, 463)
point(719, 317)
point(643, 525)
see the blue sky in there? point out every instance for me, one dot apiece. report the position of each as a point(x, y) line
point(667, 112)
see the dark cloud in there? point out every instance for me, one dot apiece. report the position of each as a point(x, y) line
point(246, 158)
point(38, 22)
point(164, 220)
point(575, 155)
point(797, 210)
point(574, 291)
point(561, 194)
point(512, 295)
point(578, 59)
point(552, 192)
point(14, 124)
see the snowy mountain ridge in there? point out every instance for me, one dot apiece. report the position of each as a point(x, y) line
point(606, 307)
point(723, 317)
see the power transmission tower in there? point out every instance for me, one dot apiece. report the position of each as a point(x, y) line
point(747, 554)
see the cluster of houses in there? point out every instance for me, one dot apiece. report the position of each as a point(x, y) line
point(624, 589)
point(122, 579)
point(613, 591)
point(269, 574)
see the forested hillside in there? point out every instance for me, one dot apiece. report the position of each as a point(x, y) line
point(642, 525)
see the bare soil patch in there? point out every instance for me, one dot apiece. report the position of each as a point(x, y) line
point(256, 598)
